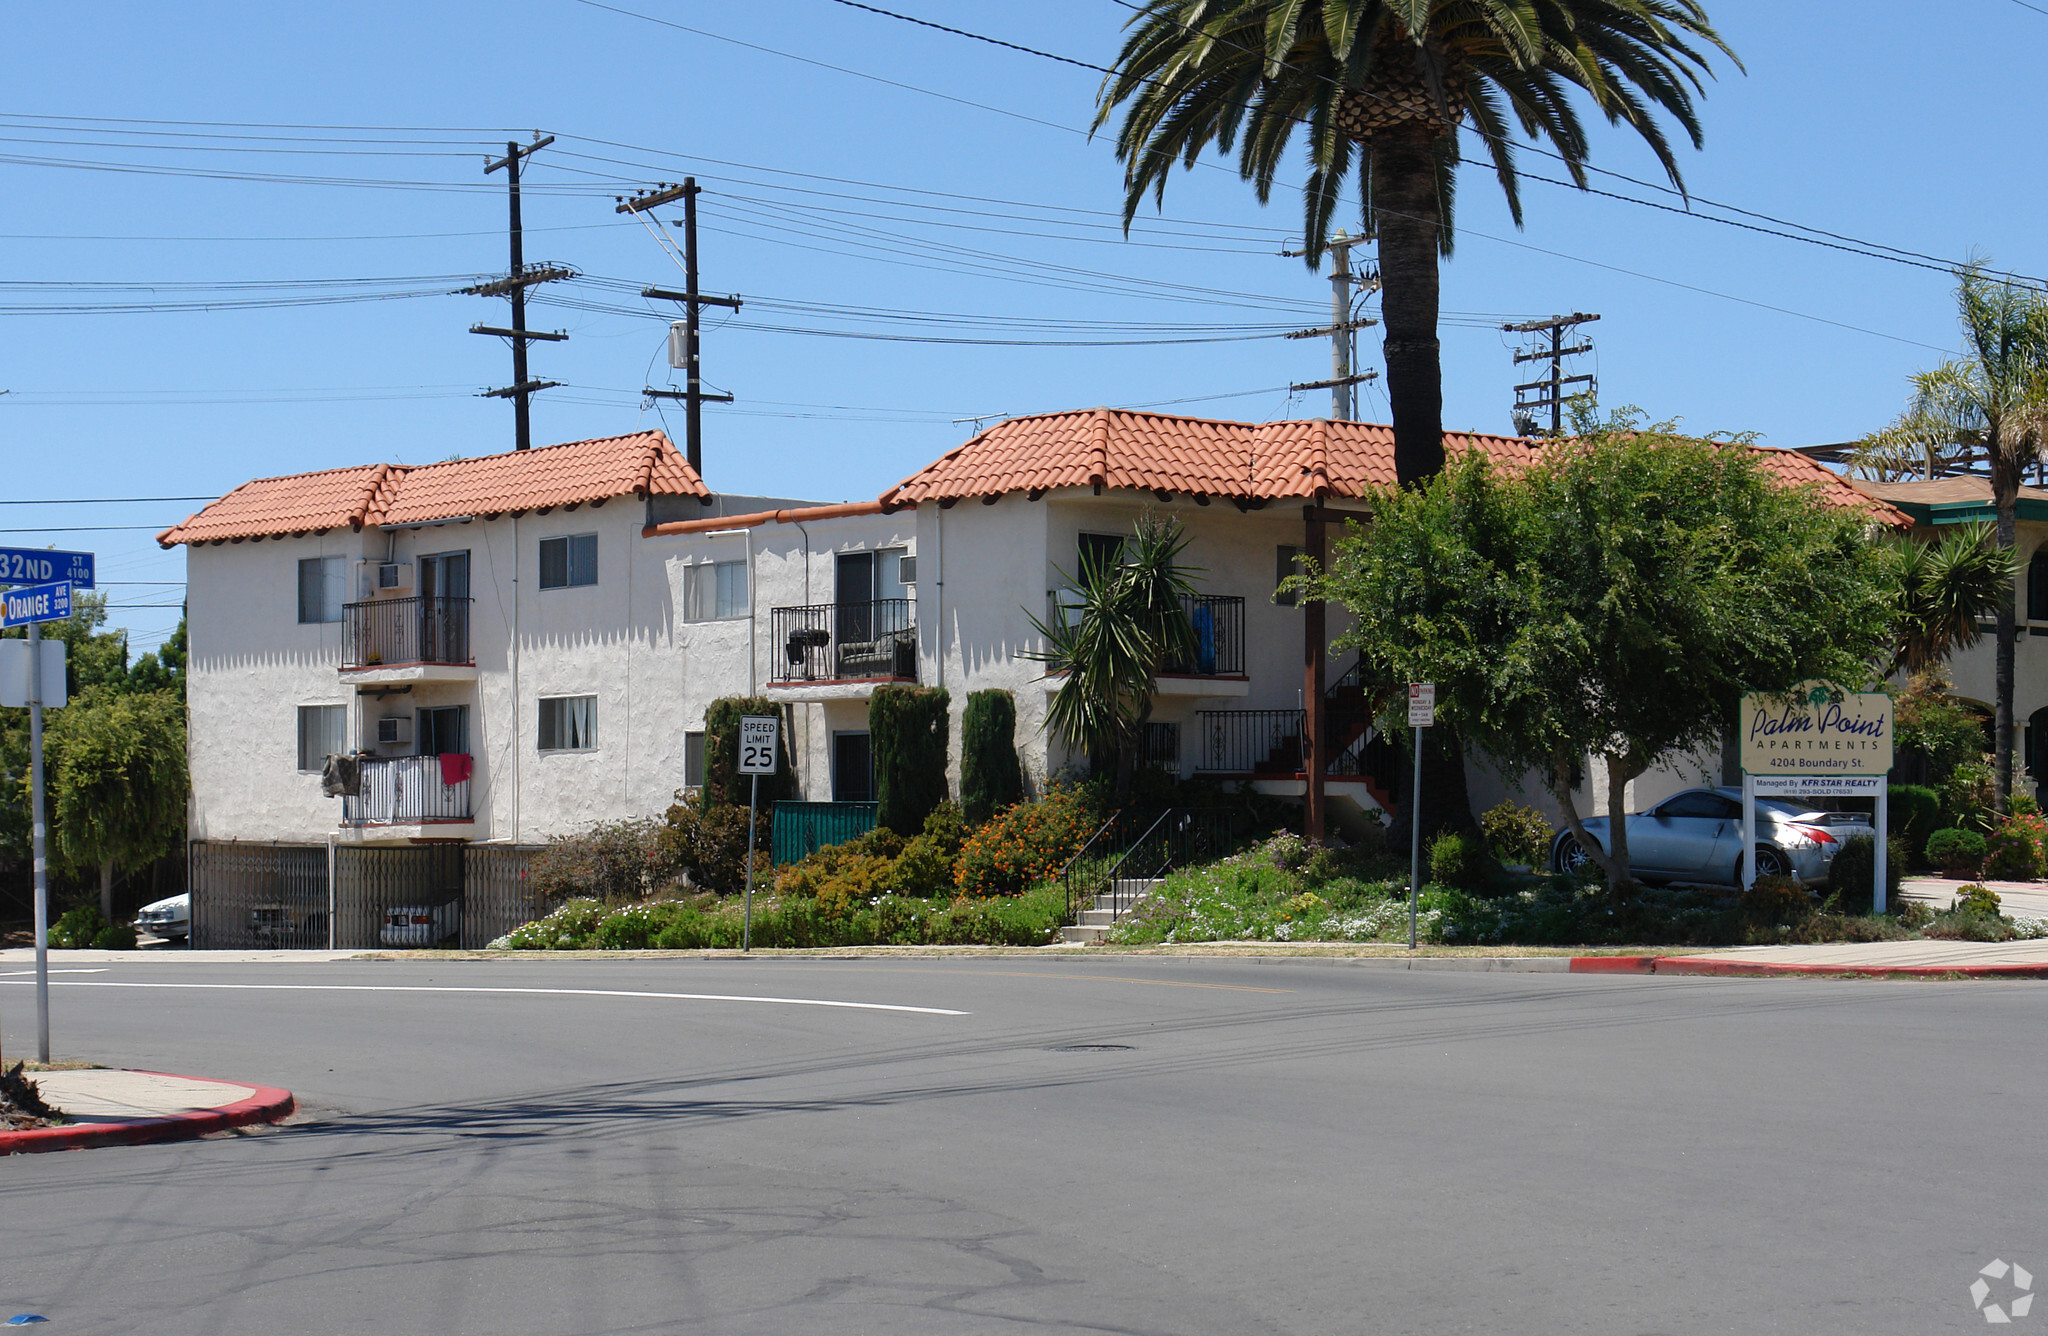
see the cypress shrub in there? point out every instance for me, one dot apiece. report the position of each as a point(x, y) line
point(908, 728)
point(990, 778)
point(724, 785)
point(1915, 809)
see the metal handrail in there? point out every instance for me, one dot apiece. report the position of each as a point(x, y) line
point(1075, 869)
point(1186, 835)
point(428, 628)
point(861, 638)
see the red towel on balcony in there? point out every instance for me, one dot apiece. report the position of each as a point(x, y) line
point(454, 767)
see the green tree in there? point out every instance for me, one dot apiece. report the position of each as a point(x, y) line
point(909, 729)
point(1945, 587)
point(723, 782)
point(1991, 403)
point(1613, 601)
point(163, 669)
point(1379, 89)
point(116, 769)
point(1130, 621)
point(990, 777)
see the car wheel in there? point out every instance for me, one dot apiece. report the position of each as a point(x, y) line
point(1570, 858)
point(1769, 863)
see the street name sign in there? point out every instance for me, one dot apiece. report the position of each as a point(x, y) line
point(1422, 705)
point(757, 744)
point(37, 565)
point(37, 603)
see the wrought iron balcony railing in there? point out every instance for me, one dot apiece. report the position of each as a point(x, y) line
point(430, 628)
point(839, 641)
point(405, 791)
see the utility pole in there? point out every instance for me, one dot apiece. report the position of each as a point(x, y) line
point(1342, 330)
point(694, 302)
point(514, 285)
point(1550, 391)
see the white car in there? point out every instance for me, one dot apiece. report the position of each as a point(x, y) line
point(421, 925)
point(169, 919)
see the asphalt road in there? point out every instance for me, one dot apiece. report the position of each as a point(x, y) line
point(1109, 1145)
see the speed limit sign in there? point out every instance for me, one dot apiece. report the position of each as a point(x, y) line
point(757, 744)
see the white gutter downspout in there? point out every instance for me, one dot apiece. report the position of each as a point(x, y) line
point(939, 584)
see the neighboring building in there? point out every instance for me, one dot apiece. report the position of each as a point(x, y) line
point(517, 646)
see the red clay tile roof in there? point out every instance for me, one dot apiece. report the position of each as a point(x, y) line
point(644, 463)
point(1114, 448)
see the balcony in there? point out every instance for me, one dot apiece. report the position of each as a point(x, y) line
point(407, 639)
point(1267, 744)
point(1218, 622)
point(407, 791)
point(875, 640)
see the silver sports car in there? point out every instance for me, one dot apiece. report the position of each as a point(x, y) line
point(1697, 836)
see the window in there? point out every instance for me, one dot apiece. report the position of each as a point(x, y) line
point(1098, 551)
point(569, 562)
point(2037, 588)
point(323, 732)
point(320, 589)
point(443, 728)
point(1701, 805)
point(568, 723)
point(1159, 747)
point(714, 591)
point(1287, 562)
point(693, 760)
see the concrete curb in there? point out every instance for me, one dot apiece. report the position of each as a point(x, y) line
point(1719, 967)
point(265, 1105)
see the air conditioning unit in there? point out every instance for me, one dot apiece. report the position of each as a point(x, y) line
point(394, 577)
point(394, 730)
point(906, 569)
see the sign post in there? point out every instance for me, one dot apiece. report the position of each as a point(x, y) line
point(1421, 715)
point(50, 576)
point(758, 735)
point(1817, 740)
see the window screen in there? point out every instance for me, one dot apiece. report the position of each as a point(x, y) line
point(323, 732)
point(693, 760)
point(568, 723)
point(320, 589)
point(568, 562)
point(713, 591)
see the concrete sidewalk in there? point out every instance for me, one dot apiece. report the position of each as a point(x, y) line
point(2021, 899)
point(109, 1107)
point(15, 958)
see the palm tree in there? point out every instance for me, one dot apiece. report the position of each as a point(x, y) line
point(1992, 404)
point(1945, 588)
point(1395, 79)
point(1130, 622)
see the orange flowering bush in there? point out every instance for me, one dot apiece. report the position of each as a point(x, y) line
point(1026, 843)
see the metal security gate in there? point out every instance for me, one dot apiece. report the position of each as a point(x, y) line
point(397, 897)
point(802, 829)
point(498, 892)
point(248, 895)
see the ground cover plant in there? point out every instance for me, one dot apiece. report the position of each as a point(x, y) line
point(1286, 890)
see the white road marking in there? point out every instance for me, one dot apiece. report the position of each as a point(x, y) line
point(11, 973)
point(539, 992)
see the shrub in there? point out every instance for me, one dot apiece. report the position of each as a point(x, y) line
point(115, 937)
point(925, 867)
point(613, 861)
point(1026, 842)
point(990, 777)
point(1914, 810)
point(1957, 852)
point(1457, 860)
point(1967, 796)
point(1775, 902)
point(724, 785)
point(2013, 851)
point(77, 928)
point(1976, 899)
point(709, 845)
point(1516, 834)
point(1852, 873)
point(909, 729)
point(569, 928)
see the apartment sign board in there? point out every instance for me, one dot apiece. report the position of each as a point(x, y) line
point(1816, 732)
point(40, 565)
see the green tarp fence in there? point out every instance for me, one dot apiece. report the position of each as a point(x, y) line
point(805, 828)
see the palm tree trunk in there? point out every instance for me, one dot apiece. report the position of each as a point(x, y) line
point(1406, 216)
point(2005, 490)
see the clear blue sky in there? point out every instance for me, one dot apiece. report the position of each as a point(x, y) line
point(1912, 127)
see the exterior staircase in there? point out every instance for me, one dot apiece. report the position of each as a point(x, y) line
point(1129, 892)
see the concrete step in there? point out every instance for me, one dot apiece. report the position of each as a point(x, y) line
point(1097, 921)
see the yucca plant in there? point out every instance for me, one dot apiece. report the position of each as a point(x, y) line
point(1946, 588)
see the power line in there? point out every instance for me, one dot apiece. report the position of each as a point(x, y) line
point(962, 32)
point(103, 500)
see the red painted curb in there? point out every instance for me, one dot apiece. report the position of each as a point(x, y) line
point(1612, 965)
point(266, 1105)
point(1711, 966)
